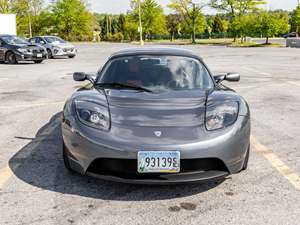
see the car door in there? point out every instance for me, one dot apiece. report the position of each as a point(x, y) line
point(2, 50)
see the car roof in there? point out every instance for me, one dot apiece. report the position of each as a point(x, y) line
point(7, 35)
point(155, 51)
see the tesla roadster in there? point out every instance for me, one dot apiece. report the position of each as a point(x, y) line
point(156, 116)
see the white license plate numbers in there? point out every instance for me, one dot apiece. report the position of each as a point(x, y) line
point(158, 162)
point(39, 55)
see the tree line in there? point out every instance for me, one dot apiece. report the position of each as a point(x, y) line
point(72, 20)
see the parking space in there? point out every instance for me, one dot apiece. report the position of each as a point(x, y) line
point(36, 189)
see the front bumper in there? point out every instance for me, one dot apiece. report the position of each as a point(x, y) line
point(30, 57)
point(226, 150)
point(63, 52)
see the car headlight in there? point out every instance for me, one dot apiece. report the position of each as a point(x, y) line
point(221, 115)
point(25, 51)
point(93, 114)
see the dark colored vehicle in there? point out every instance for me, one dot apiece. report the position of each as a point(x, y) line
point(289, 35)
point(14, 49)
point(55, 46)
point(156, 116)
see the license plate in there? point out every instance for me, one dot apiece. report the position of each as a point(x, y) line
point(158, 161)
point(39, 55)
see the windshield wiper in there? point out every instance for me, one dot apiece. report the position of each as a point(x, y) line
point(121, 86)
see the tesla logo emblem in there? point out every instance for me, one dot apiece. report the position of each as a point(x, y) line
point(157, 133)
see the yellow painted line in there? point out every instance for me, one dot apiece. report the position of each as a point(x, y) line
point(277, 163)
point(31, 105)
point(5, 174)
point(294, 83)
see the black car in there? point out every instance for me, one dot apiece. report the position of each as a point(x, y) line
point(289, 35)
point(14, 49)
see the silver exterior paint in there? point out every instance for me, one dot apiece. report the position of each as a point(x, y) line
point(135, 116)
point(52, 46)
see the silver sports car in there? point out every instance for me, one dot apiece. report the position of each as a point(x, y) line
point(55, 46)
point(156, 116)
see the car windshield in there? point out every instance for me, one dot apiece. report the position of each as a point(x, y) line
point(54, 40)
point(14, 40)
point(157, 73)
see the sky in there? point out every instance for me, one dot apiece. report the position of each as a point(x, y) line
point(118, 6)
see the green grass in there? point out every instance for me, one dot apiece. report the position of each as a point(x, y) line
point(217, 42)
point(254, 44)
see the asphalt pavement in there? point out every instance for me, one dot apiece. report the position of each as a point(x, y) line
point(35, 188)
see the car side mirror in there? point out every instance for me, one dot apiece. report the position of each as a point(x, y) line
point(232, 77)
point(81, 76)
point(42, 42)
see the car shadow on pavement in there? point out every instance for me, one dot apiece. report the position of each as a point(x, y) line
point(40, 164)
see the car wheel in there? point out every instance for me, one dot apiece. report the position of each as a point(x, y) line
point(50, 56)
point(245, 166)
point(71, 56)
point(38, 61)
point(11, 58)
point(66, 159)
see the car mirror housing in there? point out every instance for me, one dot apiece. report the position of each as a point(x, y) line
point(232, 77)
point(81, 76)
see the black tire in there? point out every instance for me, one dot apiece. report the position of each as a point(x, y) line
point(71, 56)
point(66, 159)
point(38, 61)
point(245, 166)
point(11, 58)
point(50, 56)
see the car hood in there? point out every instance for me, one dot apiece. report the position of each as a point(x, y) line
point(31, 46)
point(169, 109)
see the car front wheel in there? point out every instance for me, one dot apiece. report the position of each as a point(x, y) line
point(71, 56)
point(11, 58)
point(50, 56)
point(38, 61)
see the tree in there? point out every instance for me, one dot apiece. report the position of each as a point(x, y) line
point(173, 24)
point(122, 24)
point(6, 6)
point(191, 14)
point(72, 20)
point(296, 19)
point(153, 18)
point(236, 9)
point(218, 25)
point(271, 24)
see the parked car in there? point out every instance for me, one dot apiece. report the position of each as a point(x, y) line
point(14, 49)
point(55, 46)
point(156, 116)
point(289, 35)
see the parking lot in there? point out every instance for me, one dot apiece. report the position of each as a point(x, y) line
point(35, 188)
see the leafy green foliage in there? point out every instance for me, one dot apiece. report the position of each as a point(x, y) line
point(272, 24)
point(72, 20)
point(153, 18)
point(295, 20)
point(191, 14)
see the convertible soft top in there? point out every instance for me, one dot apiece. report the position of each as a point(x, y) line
point(155, 51)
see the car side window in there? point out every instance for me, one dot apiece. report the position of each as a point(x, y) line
point(32, 40)
point(40, 41)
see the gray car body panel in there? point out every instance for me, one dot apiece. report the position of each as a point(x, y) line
point(135, 116)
